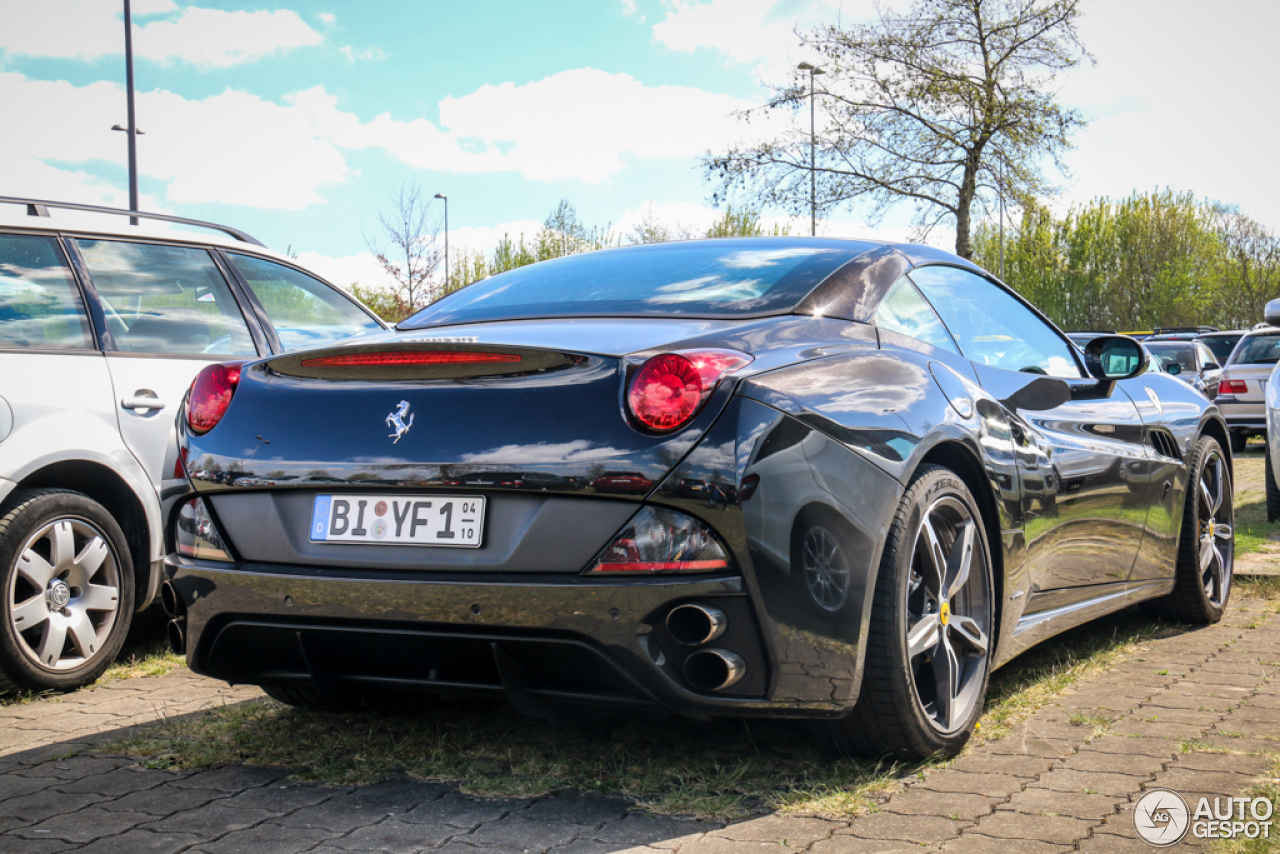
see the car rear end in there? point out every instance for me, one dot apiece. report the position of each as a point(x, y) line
point(1242, 388)
point(483, 509)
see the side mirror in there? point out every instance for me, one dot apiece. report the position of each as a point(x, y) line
point(1173, 368)
point(1271, 314)
point(1115, 357)
point(1212, 366)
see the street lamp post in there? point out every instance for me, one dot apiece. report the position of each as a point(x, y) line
point(133, 126)
point(446, 240)
point(814, 71)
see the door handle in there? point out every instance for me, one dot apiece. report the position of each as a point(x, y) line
point(143, 400)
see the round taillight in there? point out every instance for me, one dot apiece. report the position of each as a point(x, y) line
point(665, 392)
point(211, 395)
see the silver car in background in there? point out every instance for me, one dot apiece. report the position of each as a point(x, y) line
point(1242, 388)
point(103, 326)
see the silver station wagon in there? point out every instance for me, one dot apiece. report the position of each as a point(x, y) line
point(103, 326)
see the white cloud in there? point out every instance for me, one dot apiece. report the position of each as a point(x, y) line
point(327, 17)
point(363, 54)
point(209, 38)
point(361, 268)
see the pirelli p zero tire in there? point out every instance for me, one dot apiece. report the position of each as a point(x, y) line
point(1206, 545)
point(67, 578)
point(930, 640)
point(1273, 489)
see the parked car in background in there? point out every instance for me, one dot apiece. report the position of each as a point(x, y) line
point(1196, 363)
point(943, 481)
point(1222, 343)
point(103, 325)
point(1243, 385)
point(1272, 404)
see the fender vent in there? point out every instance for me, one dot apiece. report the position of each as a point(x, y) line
point(1165, 444)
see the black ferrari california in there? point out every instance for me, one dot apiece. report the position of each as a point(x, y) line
point(827, 479)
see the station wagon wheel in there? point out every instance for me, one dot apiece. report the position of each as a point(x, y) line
point(1206, 548)
point(932, 635)
point(68, 587)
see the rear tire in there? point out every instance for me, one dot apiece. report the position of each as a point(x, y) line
point(929, 643)
point(1206, 545)
point(67, 576)
point(1238, 441)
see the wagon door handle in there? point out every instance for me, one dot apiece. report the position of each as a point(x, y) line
point(143, 400)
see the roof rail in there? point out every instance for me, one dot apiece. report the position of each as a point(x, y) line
point(39, 207)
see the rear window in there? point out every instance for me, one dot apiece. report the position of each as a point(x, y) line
point(1183, 356)
point(1221, 346)
point(712, 278)
point(39, 302)
point(1257, 350)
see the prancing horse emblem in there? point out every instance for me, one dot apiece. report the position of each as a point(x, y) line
point(396, 421)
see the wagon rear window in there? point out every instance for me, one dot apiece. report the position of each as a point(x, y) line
point(39, 302)
point(711, 278)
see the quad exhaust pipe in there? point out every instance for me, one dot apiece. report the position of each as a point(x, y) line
point(693, 624)
point(714, 669)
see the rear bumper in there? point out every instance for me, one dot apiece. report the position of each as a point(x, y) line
point(539, 640)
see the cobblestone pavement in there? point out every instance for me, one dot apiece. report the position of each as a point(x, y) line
point(1064, 780)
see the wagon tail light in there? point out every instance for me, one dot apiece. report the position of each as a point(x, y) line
point(657, 540)
point(1233, 387)
point(668, 390)
point(210, 396)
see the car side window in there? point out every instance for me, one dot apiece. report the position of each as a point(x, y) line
point(166, 300)
point(40, 306)
point(905, 311)
point(304, 311)
point(991, 326)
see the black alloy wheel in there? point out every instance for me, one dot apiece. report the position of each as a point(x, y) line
point(931, 637)
point(1206, 546)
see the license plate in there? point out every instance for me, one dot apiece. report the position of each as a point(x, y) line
point(398, 520)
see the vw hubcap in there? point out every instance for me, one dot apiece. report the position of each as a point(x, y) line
point(948, 615)
point(1217, 537)
point(64, 597)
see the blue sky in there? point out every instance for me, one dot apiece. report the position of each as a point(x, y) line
point(295, 120)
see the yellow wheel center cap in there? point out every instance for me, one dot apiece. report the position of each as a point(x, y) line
point(945, 613)
point(1211, 527)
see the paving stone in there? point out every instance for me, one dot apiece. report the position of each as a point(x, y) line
point(1230, 762)
point(778, 829)
point(1155, 729)
point(399, 794)
point(973, 842)
point(993, 785)
point(13, 785)
point(720, 845)
point(233, 778)
point(164, 800)
point(122, 781)
point(1137, 764)
point(522, 833)
point(1191, 780)
point(844, 844)
point(1221, 741)
point(336, 815)
point(1132, 744)
point(461, 811)
point(43, 804)
point(1052, 748)
point(1092, 782)
point(919, 829)
point(17, 845)
point(917, 801)
point(579, 846)
point(282, 797)
point(265, 839)
point(1059, 829)
point(1038, 801)
point(141, 842)
point(573, 807)
point(76, 767)
point(209, 821)
point(1017, 766)
point(641, 829)
point(85, 825)
point(395, 837)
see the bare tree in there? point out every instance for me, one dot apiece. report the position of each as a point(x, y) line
point(944, 105)
point(408, 249)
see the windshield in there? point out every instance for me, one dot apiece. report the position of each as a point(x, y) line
point(699, 278)
point(1183, 356)
point(1257, 350)
point(1221, 346)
